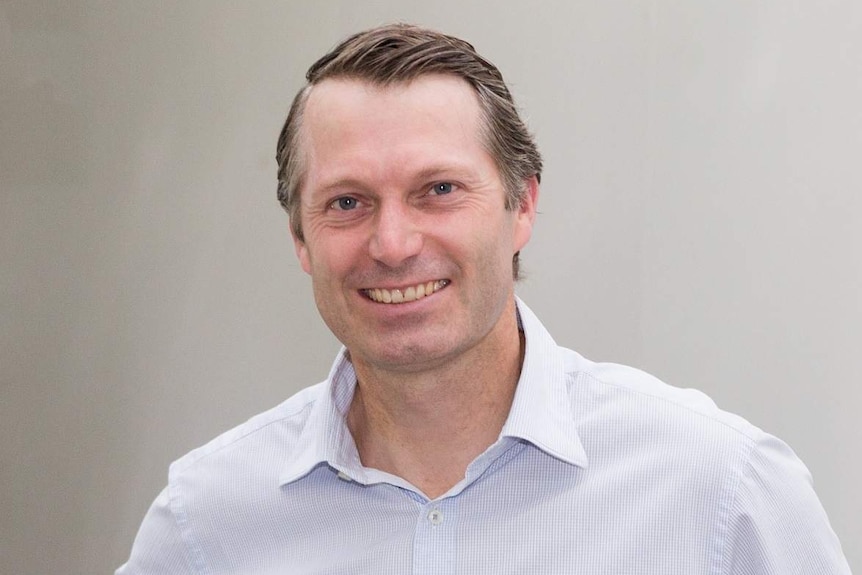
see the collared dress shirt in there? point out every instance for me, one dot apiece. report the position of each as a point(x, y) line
point(599, 469)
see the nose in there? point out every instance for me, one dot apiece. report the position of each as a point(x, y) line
point(396, 237)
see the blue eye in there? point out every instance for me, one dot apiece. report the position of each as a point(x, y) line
point(345, 203)
point(442, 188)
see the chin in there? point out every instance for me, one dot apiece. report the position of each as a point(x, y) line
point(408, 358)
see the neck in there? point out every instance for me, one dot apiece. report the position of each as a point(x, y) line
point(427, 427)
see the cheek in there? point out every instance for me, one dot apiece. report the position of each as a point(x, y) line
point(329, 259)
point(491, 249)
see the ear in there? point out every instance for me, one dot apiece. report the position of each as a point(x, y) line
point(301, 250)
point(525, 214)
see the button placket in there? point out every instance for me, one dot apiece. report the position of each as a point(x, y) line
point(435, 542)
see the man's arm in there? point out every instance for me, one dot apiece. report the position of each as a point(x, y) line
point(159, 547)
point(777, 524)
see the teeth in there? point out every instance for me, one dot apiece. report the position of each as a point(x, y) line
point(411, 293)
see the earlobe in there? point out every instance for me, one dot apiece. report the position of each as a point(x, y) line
point(302, 254)
point(526, 213)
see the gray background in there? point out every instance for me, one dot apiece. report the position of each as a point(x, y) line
point(700, 220)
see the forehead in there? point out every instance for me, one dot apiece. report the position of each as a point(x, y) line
point(351, 122)
point(347, 107)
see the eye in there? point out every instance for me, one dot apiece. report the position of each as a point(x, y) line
point(441, 189)
point(345, 203)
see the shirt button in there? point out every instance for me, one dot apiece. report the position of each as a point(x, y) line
point(435, 517)
point(344, 477)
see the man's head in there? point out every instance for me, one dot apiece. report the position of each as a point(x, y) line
point(398, 54)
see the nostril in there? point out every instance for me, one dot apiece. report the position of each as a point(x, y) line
point(393, 245)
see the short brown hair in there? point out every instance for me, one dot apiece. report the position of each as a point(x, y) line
point(399, 53)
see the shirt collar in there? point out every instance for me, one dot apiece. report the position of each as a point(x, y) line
point(541, 411)
point(325, 438)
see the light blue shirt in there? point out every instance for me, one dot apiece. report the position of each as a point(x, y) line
point(599, 469)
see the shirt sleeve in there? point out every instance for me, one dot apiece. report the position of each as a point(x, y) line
point(777, 524)
point(159, 548)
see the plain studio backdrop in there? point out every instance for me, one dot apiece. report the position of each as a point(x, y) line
point(700, 219)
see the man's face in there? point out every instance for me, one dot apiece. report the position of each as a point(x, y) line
point(402, 203)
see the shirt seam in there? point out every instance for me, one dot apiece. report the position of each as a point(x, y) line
point(210, 449)
point(737, 429)
point(727, 508)
point(746, 449)
point(194, 551)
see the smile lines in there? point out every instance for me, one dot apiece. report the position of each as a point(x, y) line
point(412, 293)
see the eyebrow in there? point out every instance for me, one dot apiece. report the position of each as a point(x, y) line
point(352, 183)
point(435, 171)
point(457, 170)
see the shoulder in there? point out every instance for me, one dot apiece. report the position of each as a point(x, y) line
point(246, 443)
point(712, 470)
point(663, 437)
point(210, 486)
point(619, 392)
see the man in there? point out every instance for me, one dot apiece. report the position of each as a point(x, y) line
point(452, 434)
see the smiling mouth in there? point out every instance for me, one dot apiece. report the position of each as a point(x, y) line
point(404, 295)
